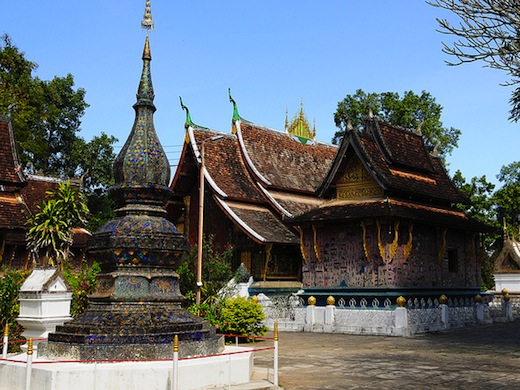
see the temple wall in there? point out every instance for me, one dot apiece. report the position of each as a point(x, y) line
point(344, 255)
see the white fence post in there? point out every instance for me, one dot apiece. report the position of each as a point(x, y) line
point(29, 365)
point(445, 311)
point(275, 379)
point(401, 317)
point(6, 341)
point(175, 371)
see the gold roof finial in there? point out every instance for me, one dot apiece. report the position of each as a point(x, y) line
point(147, 22)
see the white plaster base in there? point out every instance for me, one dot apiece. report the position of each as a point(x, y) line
point(206, 372)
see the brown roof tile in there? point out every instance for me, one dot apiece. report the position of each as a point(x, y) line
point(13, 212)
point(284, 162)
point(258, 222)
point(391, 207)
point(400, 163)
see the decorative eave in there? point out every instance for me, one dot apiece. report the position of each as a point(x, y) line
point(350, 141)
point(269, 229)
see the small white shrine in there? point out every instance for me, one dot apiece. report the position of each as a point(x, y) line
point(507, 267)
point(45, 299)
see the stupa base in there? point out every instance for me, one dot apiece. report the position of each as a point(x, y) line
point(67, 351)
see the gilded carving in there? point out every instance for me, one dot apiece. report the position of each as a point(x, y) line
point(316, 247)
point(380, 244)
point(395, 242)
point(268, 249)
point(408, 245)
point(357, 183)
point(302, 245)
point(365, 244)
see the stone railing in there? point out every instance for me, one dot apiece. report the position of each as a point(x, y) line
point(407, 317)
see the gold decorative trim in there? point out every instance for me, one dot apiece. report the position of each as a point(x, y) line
point(2, 249)
point(187, 206)
point(380, 244)
point(187, 137)
point(357, 183)
point(442, 249)
point(316, 247)
point(365, 244)
point(395, 243)
point(268, 249)
point(408, 246)
point(302, 245)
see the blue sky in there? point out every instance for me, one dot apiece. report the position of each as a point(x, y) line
point(272, 54)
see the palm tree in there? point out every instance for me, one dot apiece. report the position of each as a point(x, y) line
point(51, 227)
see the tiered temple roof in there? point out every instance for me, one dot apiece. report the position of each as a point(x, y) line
point(257, 175)
point(386, 170)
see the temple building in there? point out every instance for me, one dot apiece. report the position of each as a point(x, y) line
point(20, 194)
point(255, 179)
point(377, 212)
point(389, 219)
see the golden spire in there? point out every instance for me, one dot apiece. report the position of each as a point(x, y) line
point(147, 22)
point(299, 126)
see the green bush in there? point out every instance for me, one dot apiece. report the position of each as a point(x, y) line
point(10, 283)
point(82, 283)
point(216, 270)
point(242, 316)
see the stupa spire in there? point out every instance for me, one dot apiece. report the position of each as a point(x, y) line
point(142, 161)
point(147, 22)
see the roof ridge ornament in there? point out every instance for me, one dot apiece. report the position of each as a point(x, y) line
point(349, 126)
point(147, 22)
point(418, 130)
point(236, 116)
point(187, 122)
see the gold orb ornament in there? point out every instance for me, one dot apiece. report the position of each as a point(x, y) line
point(311, 301)
point(331, 301)
point(401, 301)
point(478, 298)
point(443, 299)
point(254, 298)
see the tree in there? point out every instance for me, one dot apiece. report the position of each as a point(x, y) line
point(411, 111)
point(47, 114)
point(507, 198)
point(50, 229)
point(47, 119)
point(480, 194)
point(489, 31)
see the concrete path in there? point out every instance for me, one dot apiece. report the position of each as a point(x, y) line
point(485, 357)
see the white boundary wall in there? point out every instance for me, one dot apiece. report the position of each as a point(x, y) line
point(418, 316)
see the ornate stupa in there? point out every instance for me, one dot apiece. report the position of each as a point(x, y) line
point(136, 309)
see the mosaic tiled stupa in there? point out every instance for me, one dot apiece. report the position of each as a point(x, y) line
point(136, 309)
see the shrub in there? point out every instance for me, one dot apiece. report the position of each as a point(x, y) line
point(10, 283)
point(242, 316)
point(82, 284)
point(216, 270)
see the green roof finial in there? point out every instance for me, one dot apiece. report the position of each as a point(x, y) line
point(235, 110)
point(188, 121)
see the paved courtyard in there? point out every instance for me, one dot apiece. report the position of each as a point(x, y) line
point(485, 357)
